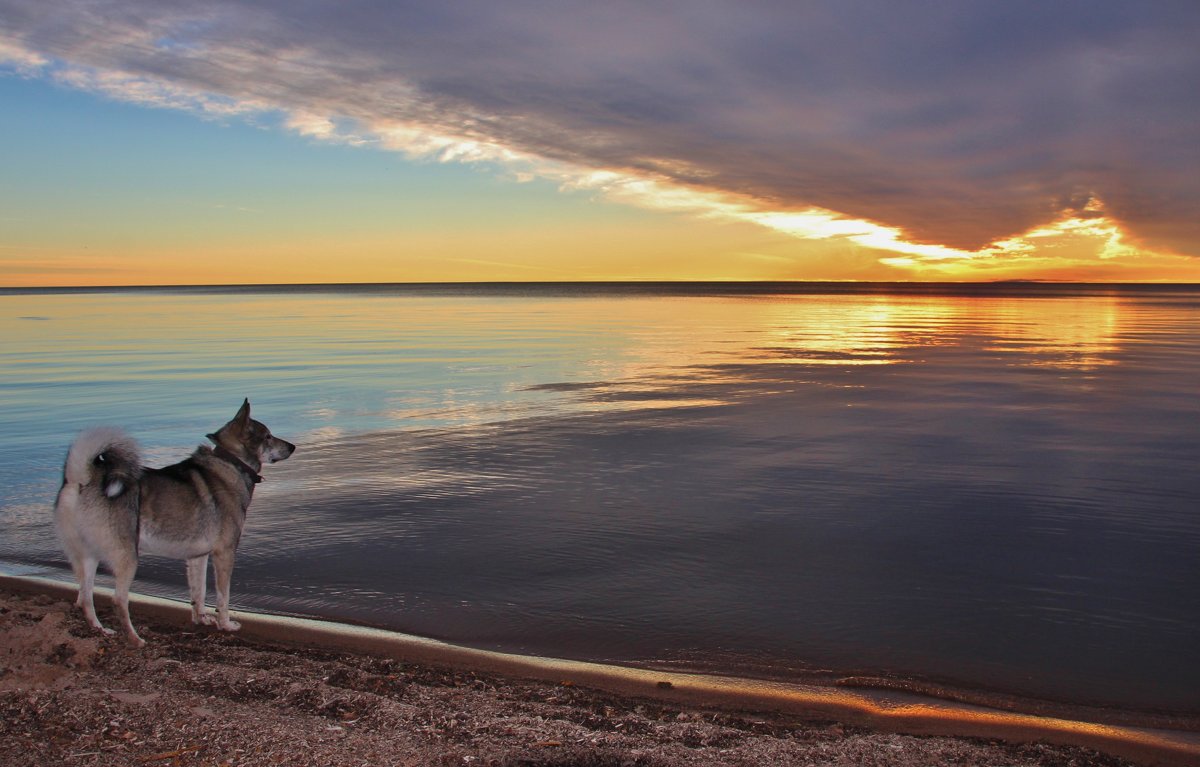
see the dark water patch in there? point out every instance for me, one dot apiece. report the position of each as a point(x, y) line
point(853, 541)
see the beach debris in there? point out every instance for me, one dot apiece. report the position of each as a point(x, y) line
point(169, 754)
point(125, 696)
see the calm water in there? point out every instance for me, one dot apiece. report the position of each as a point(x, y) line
point(982, 486)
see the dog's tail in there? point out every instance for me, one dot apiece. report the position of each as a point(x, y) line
point(106, 456)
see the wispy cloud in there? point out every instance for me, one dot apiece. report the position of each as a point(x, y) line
point(20, 59)
point(944, 133)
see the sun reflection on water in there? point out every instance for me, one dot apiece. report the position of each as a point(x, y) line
point(418, 360)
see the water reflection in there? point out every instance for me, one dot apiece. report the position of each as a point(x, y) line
point(1061, 334)
point(991, 488)
point(884, 330)
point(347, 361)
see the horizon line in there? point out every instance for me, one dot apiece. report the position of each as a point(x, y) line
point(637, 285)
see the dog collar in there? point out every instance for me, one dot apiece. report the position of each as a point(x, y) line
point(238, 463)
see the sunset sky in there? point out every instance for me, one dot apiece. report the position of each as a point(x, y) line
point(169, 142)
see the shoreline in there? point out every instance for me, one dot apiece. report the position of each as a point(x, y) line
point(874, 710)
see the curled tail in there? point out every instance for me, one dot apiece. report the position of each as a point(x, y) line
point(105, 456)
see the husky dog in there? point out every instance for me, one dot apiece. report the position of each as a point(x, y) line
point(191, 510)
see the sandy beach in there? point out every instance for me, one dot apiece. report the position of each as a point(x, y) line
point(198, 697)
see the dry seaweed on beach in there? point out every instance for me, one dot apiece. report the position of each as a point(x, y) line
point(197, 697)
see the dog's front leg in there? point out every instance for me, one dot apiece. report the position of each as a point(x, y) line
point(197, 575)
point(222, 575)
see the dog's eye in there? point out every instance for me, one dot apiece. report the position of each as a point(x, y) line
point(100, 459)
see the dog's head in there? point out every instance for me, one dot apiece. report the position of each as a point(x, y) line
point(251, 440)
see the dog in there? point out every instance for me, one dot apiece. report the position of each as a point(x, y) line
point(111, 507)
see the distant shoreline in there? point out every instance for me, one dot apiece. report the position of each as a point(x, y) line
point(717, 288)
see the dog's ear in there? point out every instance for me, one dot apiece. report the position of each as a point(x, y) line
point(243, 415)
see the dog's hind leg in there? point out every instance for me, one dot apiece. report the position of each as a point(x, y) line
point(197, 575)
point(78, 551)
point(222, 575)
point(78, 568)
point(85, 571)
point(123, 572)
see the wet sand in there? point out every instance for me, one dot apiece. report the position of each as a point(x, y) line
point(288, 691)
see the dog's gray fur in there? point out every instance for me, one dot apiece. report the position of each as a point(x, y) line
point(190, 510)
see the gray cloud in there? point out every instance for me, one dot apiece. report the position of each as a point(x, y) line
point(960, 123)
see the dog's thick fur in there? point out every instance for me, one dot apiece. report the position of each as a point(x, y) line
point(110, 507)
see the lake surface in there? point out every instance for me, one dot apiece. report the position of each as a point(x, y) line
point(986, 486)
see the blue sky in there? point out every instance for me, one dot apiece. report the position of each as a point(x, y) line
point(79, 145)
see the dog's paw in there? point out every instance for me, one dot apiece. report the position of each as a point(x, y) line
point(229, 625)
point(204, 619)
point(136, 642)
point(103, 629)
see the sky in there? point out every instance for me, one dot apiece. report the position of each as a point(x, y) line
point(172, 142)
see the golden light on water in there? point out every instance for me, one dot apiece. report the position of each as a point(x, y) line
point(654, 338)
